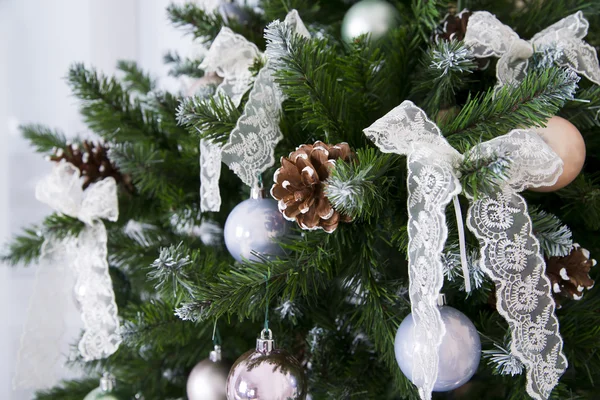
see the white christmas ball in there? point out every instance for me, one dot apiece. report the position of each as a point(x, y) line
point(207, 381)
point(566, 141)
point(375, 17)
point(459, 353)
point(254, 226)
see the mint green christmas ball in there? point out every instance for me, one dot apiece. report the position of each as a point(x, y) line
point(376, 17)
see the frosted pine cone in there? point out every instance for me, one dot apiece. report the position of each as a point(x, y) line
point(570, 274)
point(93, 162)
point(299, 185)
point(453, 27)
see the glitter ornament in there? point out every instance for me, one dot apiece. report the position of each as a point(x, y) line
point(459, 353)
point(566, 141)
point(208, 378)
point(105, 390)
point(374, 17)
point(254, 226)
point(266, 374)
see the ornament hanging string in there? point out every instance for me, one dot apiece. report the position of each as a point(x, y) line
point(462, 243)
point(216, 336)
point(267, 279)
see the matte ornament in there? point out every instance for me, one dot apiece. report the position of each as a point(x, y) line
point(566, 141)
point(459, 353)
point(254, 226)
point(266, 374)
point(375, 17)
point(208, 378)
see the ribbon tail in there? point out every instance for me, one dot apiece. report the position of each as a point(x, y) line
point(511, 256)
point(94, 292)
point(41, 360)
point(210, 173)
point(427, 232)
point(462, 244)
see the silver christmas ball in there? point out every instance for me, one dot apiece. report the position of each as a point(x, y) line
point(105, 390)
point(254, 225)
point(266, 374)
point(208, 378)
point(232, 12)
point(459, 353)
point(376, 17)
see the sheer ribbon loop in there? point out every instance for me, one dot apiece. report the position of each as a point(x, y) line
point(90, 282)
point(486, 37)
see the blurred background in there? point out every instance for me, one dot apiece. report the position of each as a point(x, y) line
point(39, 39)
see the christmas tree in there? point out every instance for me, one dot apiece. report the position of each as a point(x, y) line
point(371, 112)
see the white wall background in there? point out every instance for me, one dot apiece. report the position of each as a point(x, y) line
point(39, 39)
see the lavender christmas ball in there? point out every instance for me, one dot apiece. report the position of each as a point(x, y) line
point(255, 226)
point(459, 353)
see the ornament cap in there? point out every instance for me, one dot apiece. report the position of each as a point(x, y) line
point(258, 192)
point(441, 301)
point(215, 355)
point(107, 382)
point(265, 343)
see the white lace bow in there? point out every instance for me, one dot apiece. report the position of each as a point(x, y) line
point(509, 251)
point(487, 36)
point(85, 256)
point(251, 145)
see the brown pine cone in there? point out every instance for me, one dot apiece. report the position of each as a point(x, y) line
point(453, 27)
point(92, 160)
point(570, 274)
point(299, 185)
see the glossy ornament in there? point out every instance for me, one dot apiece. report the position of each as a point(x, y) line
point(208, 378)
point(566, 141)
point(254, 226)
point(105, 390)
point(376, 17)
point(266, 374)
point(459, 353)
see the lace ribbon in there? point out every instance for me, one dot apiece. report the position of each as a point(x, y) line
point(86, 255)
point(486, 36)
point(511, 256)
point(230, 56)
point(432, 183)
point(251, 145)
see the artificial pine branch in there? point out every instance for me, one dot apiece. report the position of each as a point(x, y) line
point(584, 110)
point(109, 110)
point(305, 74)
point(583, 194)
point(206, 26)
point(182, 66)
point(555, 237)
point(149, 169)
point(44, 139)
point(359, 188)
point(481, 174)
point(213, 117)
point(539, 97)
point(134, 78)
point(444, 70)
point(26, 248)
